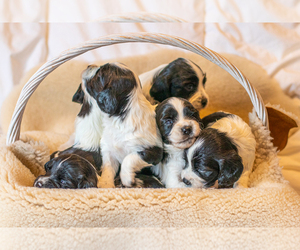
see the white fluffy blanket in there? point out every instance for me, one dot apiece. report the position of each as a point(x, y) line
point(269, 202)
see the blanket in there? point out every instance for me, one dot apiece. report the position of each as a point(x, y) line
point(269, 202)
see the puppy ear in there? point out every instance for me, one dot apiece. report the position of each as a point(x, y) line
point(107, 102)
point(204, 79)
point(230, 171)
point(84, 182)
point(53, 155)
point(160, 89)
point(48, 165)
point(79, 95)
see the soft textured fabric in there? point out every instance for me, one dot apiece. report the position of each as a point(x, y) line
point(269, 202)
point(150, 238)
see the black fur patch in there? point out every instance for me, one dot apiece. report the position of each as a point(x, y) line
point(216, 159)
point(71, 168)
point(114, 86)
point(177, 79)
point(152, 155)
point(79, 95)
point(214, 117)
point(86, 108)
point(166, 117)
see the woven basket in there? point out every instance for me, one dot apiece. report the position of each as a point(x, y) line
point(26, 206)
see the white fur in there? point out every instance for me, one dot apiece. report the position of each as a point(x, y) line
point(169, 171)
point(188, 173)
point(176, 136)
point(122, 139)
point(241, 135)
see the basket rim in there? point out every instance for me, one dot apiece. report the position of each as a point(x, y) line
point(13, 133)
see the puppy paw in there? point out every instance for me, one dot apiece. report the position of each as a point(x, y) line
point(127, 180)
point(105, 184)
point(138, 183)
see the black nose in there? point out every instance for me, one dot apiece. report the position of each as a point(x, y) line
point(187, 130)
point(203, 102)
point(186, 182)
point(38, 184)
point(89, 66)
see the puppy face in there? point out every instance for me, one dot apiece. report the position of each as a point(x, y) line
point(212, 160)
point(181, 78)
point(111, 85)
point(178, 121)
point(67, 171)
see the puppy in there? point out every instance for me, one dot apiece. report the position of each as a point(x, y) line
point(223, 154)
point(79, 165)
point(72, 168)
point(179, 124)
point(130, 135)
point(180, 78)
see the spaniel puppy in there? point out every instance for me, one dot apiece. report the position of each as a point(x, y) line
point(180, 78)
point(223, 154)
point(130, 135)
point(179, 124)
point(79, 165)
point(72, 168)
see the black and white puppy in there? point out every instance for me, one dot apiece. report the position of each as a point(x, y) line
point(72, 168)
point(130, 135)
point(180, 78)
point(179, 124)
point(223, 154)
point(78, 165)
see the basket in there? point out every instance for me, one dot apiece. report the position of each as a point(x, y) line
point(22, 205)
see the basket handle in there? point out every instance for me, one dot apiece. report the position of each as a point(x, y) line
point(13, 133)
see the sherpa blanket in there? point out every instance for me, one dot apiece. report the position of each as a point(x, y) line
point(268, 202)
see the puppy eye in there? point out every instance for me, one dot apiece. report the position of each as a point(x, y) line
point(189, 87)
point(168, 122)
point(62, 181)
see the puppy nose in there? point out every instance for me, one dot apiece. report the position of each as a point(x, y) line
point(38, 184)
point(186, 182)
point(187, 130)
point(203, 102)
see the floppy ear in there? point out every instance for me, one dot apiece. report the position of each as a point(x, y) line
point(79, 95)
point(48, 165)
point(107, 102)
point(84, 182)
point(53, 155)
point(160, 89)
point(230, 170)
point(204, 79)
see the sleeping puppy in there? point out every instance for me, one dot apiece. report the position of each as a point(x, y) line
point(180, 78)
point(130, 135)
point(223, 154)
point(72, 168)
point(179, 124)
